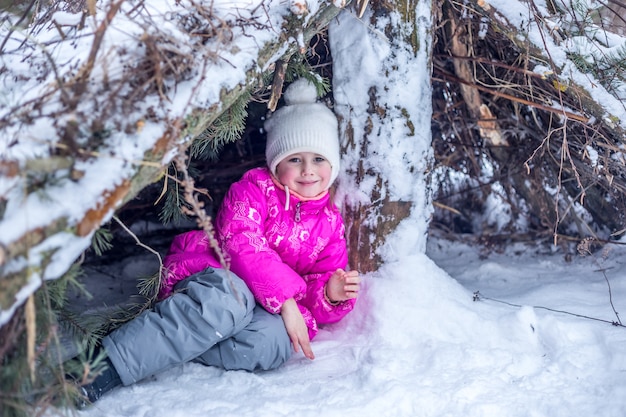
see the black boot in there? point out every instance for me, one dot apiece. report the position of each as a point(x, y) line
point(104, 382)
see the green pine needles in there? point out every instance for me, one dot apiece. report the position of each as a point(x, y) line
point(609, 68)
point(172, 212)
point(101, 241)
point(226, 129)
point(299, 67)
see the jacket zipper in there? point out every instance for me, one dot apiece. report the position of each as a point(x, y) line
point(298, 211)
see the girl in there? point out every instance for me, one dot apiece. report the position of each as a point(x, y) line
point(285, 240)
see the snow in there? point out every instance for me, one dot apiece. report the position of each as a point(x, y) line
point(417, 344)
point(66, 19)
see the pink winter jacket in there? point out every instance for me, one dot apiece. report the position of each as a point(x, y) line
point(280, 249)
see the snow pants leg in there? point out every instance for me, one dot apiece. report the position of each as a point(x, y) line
point(261, 345)
point(203, 312)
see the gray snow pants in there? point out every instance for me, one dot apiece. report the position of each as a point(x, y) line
point(203, 321)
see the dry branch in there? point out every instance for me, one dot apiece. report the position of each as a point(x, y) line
point(460, 39)
point(449, 77)
point(574, 177)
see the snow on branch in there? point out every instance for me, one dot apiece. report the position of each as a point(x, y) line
point(577, 47)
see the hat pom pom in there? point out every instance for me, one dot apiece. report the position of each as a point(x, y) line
point(301, 91)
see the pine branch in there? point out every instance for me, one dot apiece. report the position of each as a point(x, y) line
point(226, 129)
point(175, 206)
point(101, 241)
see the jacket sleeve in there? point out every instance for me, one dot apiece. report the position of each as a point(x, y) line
point(188, 254)
point(334, 256)
point(240, 225)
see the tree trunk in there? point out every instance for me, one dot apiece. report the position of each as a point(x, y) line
point(385, 132)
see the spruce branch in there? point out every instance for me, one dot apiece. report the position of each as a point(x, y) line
point(101, 241)
point(173, 189)
point(227, 128)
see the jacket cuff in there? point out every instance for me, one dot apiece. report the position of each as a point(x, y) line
point(332, 303)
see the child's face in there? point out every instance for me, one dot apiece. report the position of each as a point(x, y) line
point(306, 173)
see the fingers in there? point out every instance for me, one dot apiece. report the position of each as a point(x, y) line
point(351, 273)
point(306, 348)
point(302, 341)
point(296, 328)
point(295, 343)
point(338, 275)
point(352, 284)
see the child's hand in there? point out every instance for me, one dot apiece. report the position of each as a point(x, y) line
point(296, 328)
point(343, 285)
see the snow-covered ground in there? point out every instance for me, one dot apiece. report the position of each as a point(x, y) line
point(418, 345)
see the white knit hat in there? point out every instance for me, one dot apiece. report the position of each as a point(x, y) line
point(302, 125)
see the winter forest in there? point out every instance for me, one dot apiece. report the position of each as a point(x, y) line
point(482, 183)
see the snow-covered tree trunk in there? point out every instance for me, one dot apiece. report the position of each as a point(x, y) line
point(382, 92)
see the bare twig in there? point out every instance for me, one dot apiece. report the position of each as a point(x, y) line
point(139, 243)
point(277, 85)
point(584, 250)
point(24, 16)
point(478, 297)
point(95, 46)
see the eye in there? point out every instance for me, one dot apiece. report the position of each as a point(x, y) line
point(319, 159)
point(294, 160)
